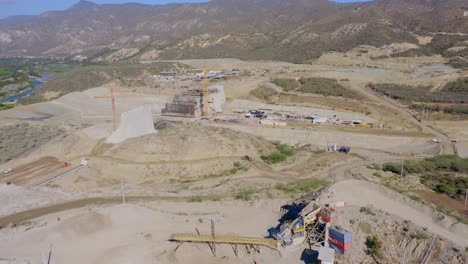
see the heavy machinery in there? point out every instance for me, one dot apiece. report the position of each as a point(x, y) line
point(65, 164)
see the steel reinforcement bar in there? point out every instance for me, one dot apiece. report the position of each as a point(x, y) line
point(267, 242)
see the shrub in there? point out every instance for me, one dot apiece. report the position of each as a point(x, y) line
point(374, 246)
point(325, 86)
point(401, 92)
point(445, 188)
point(420, 235)
point(195, 199)
point(447, 184)
point(263, 92)
point(283, 151)
point(246, 194)
point(214, 197)
point(288, 84)
point(318, 151)
point(6, 106)
point(367, 210)
point(415, 198)
point(273, 158)
point(392, 167)
point(300, 186)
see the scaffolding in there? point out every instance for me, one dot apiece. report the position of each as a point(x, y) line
point(186, 104)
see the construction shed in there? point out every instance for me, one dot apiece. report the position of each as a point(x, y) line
point(168, 73)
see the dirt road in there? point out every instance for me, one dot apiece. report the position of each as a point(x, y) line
point(447, 146)
point(38, 212)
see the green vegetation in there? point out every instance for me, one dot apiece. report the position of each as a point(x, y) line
point(392, 167)
point(246, 194)
point(456, 109)
point(263, 92)
point(195, 199)
point(459, 62)
point(415, 198)
point(84, 77)
point(16, 72)
point(451, 92)
point(318, 151)
point(273, 158)
point(287, 84)
point(374, 246)
point(367, 210)
point(437, 173)
point(282, 153)
point(450, 185)
point(300, 186)
point(420, 235)
point(322, 86)
point(6, 106)
point(459, 216)
point(445, 163)
point(401, 92)
point(325, 86)
point(214, 197)
point(4, 72)
point(237, 166)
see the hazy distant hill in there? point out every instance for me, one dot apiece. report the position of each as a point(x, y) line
point(292, 30)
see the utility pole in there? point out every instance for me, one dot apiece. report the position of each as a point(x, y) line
point(466, 196)
point(123, 190)
point(50, 254)
point(213, 236)
point(401, 171)
point(333, 175)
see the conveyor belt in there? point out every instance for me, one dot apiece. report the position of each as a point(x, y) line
point(267, 242)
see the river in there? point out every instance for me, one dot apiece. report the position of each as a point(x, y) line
point(37, 84)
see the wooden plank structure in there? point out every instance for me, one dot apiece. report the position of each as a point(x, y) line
point(249, 242)
point(253, 242)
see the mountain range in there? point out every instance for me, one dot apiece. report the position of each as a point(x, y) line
point(288, 30)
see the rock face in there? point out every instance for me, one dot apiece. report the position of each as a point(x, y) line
point(134, 123)
point(293, 30)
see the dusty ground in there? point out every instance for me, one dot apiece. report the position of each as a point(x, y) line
point(116, 234)
point(161, 172)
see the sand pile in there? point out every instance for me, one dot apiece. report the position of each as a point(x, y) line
point(189, 143)
point(79, 226)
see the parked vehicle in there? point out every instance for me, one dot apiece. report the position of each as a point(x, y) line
point(255, 113)
point(344, 149)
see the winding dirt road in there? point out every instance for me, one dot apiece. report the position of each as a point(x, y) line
point(447, 147)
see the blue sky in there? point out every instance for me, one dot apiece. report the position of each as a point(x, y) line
point(35, 7)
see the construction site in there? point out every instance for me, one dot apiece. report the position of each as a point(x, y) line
point(214, 163)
